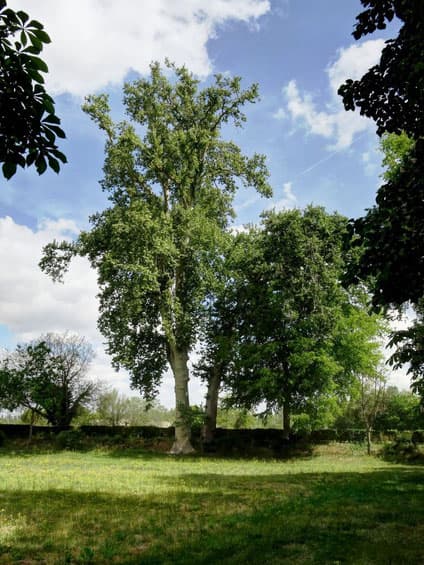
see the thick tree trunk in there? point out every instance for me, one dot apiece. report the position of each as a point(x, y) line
point(286, 420)
point(178, 360)
point(211, 409)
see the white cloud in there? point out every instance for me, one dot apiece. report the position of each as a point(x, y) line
point(288, 201)
point(333, 122)
point(96, 42)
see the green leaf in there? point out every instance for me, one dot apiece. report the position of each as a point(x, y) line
point(48, 104)
point(39, 64)
point(35, 24)
point(37, 44)
point(35, 75)
point(42, 36)
point(51, 119)
point(54, 164)
point(59, 155)
point(9, 169)
point(23, 16)
point(31, 157)
point(40, 165)
point(24, 39)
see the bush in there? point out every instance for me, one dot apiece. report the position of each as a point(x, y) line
point(402, 450)
point(70, 439)
point(323, 435)
point(2, 438)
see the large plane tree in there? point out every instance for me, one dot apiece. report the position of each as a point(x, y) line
point(171, 179)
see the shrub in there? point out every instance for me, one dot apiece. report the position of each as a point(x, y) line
point(2, 438)
point(70, 439)
point(402, 450)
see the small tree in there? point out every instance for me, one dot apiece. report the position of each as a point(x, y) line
point(371, 401)
point(48, 377)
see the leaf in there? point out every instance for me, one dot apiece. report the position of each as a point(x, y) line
point(48, 105)
point(31, 157)
point(40, 165)
point(58, 131)
point(51, 119)
point(24, 39)
point(54, 164)
point(59, 155)
point(31, 49)
point(9, 169)
point(35, 24)
point(39, 64)
point(37, 44)
point(35, 75)
point(23, 16)
point(42, 36)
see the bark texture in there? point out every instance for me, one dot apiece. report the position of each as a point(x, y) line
point(178, 359)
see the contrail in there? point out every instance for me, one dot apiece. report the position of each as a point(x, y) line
point(327, 158)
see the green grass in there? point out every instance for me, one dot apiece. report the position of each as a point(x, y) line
point(338, 506)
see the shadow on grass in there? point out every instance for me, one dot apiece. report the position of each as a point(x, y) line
point(374, 517)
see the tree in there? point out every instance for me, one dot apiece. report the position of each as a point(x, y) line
point(390, 236)
point(392, 92)
point(283, 302)
point(48, 377)
point(371, 401)
point(171, 180)
point(401, 411)
point(28, 123)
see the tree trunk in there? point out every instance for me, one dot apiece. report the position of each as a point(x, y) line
point(369, 440)
point(178, 359)
point(286, 420)
point(31, 426)
point(211, 409)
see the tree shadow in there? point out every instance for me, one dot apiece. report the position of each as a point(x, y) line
point(373, 517)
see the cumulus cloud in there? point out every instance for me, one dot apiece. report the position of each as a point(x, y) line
point(332, 122)
point(97, 42)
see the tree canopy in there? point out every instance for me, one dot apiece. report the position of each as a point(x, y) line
point(48, 377)
point(283, 305)
point(28, 122)
point(171, 179)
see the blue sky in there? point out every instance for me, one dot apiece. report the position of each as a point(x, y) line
point(298, 51)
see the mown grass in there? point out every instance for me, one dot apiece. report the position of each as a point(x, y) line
point(337, 506)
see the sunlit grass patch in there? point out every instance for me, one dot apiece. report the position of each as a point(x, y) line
point(116, 507)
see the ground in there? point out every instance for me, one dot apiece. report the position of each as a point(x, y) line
point(112, 506)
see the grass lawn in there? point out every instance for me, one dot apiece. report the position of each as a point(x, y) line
point(337, 506)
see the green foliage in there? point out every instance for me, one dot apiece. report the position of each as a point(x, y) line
point(391, 92)
point(284, 302)
point(157, 247)
point(402, 450)
point(395, 149)
point(29, 125)
point(402, 411)
point(390, 237)
point(2, 438)
point(70, 439)
point(48, 378)
point(114, 409)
